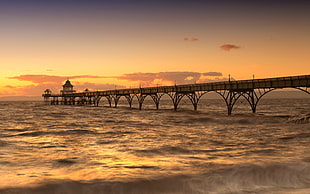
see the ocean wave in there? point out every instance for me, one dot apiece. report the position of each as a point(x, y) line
point(299, 135)
point(300, 119)
point(246, 178)
point(3, 143)
point(164, 150)
point(62, 132)
point(66, 161)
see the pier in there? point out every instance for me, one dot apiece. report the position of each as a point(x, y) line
point(251, 90)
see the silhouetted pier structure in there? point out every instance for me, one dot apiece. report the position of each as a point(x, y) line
point(252, 90)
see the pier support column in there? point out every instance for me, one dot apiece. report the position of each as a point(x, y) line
point(96, 100)
point(253, 96)
point(116, 99)
point(176, 98)
point(252, 99)
point(129, 99)
point(230, 97)
point(47, 100)
point(55, 101)
point(64, 100)
point(72, 100)
point(81, 100)
point(194, 97)
point(156, 98)
point(141, 100)
point(231, 100)
point(89, 100)
point(109, 98)
point(84, 100)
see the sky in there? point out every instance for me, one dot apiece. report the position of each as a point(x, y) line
point(108, 44)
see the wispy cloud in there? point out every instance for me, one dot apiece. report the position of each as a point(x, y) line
point(212, 74)
point(192, 39)
point(9, 86)
point(216, 79)
point(41, 79)
point(95, 86)
point(228, 47)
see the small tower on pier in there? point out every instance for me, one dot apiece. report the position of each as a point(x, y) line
point(47, 94)
point(67, 88)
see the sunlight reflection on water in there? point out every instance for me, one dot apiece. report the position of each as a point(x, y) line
point(41, 143)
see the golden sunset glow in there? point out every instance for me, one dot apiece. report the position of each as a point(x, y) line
point(98, 44)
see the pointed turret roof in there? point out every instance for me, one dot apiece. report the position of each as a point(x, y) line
point(68, 84)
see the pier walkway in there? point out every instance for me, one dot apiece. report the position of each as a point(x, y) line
point(252, 90)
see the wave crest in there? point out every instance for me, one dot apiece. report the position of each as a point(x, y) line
point(248, 178)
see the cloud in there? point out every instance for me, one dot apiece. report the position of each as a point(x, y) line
point(168, 78)
point(148, 79)
point(228, 47)
point(212, 74)
point(137, 76)
point(216, 79)
point(54, 83)
point(193, 39)
point(189, 78)
point(81, 86)
point(41, 79)
point(8, 86)
point(37, 90)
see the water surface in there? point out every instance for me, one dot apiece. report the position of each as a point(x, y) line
point(85, 149)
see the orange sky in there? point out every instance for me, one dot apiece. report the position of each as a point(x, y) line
point(107, 44)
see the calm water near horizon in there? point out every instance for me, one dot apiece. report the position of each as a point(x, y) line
point(86, 149)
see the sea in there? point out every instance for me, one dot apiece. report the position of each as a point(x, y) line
point(87, 149)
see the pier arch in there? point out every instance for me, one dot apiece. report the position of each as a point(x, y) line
point(252, 96)
point(194, 97)
point(154, 97)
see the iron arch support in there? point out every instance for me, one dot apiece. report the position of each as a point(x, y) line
point(96, 100)
point(129, 99)
point(84, 100)
point(141, 98)
point(116, 99)
point(176, 98)
point(156, 98)
point(72, 100)
point(230, 97)
point(78, 102)
point(89, 100)
point(52, 101)
point(109, 98)
point(81, 100)
point(307, 90)
point(254, 96)
point(194, 97)
point(55, 101)
point(63, 101)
